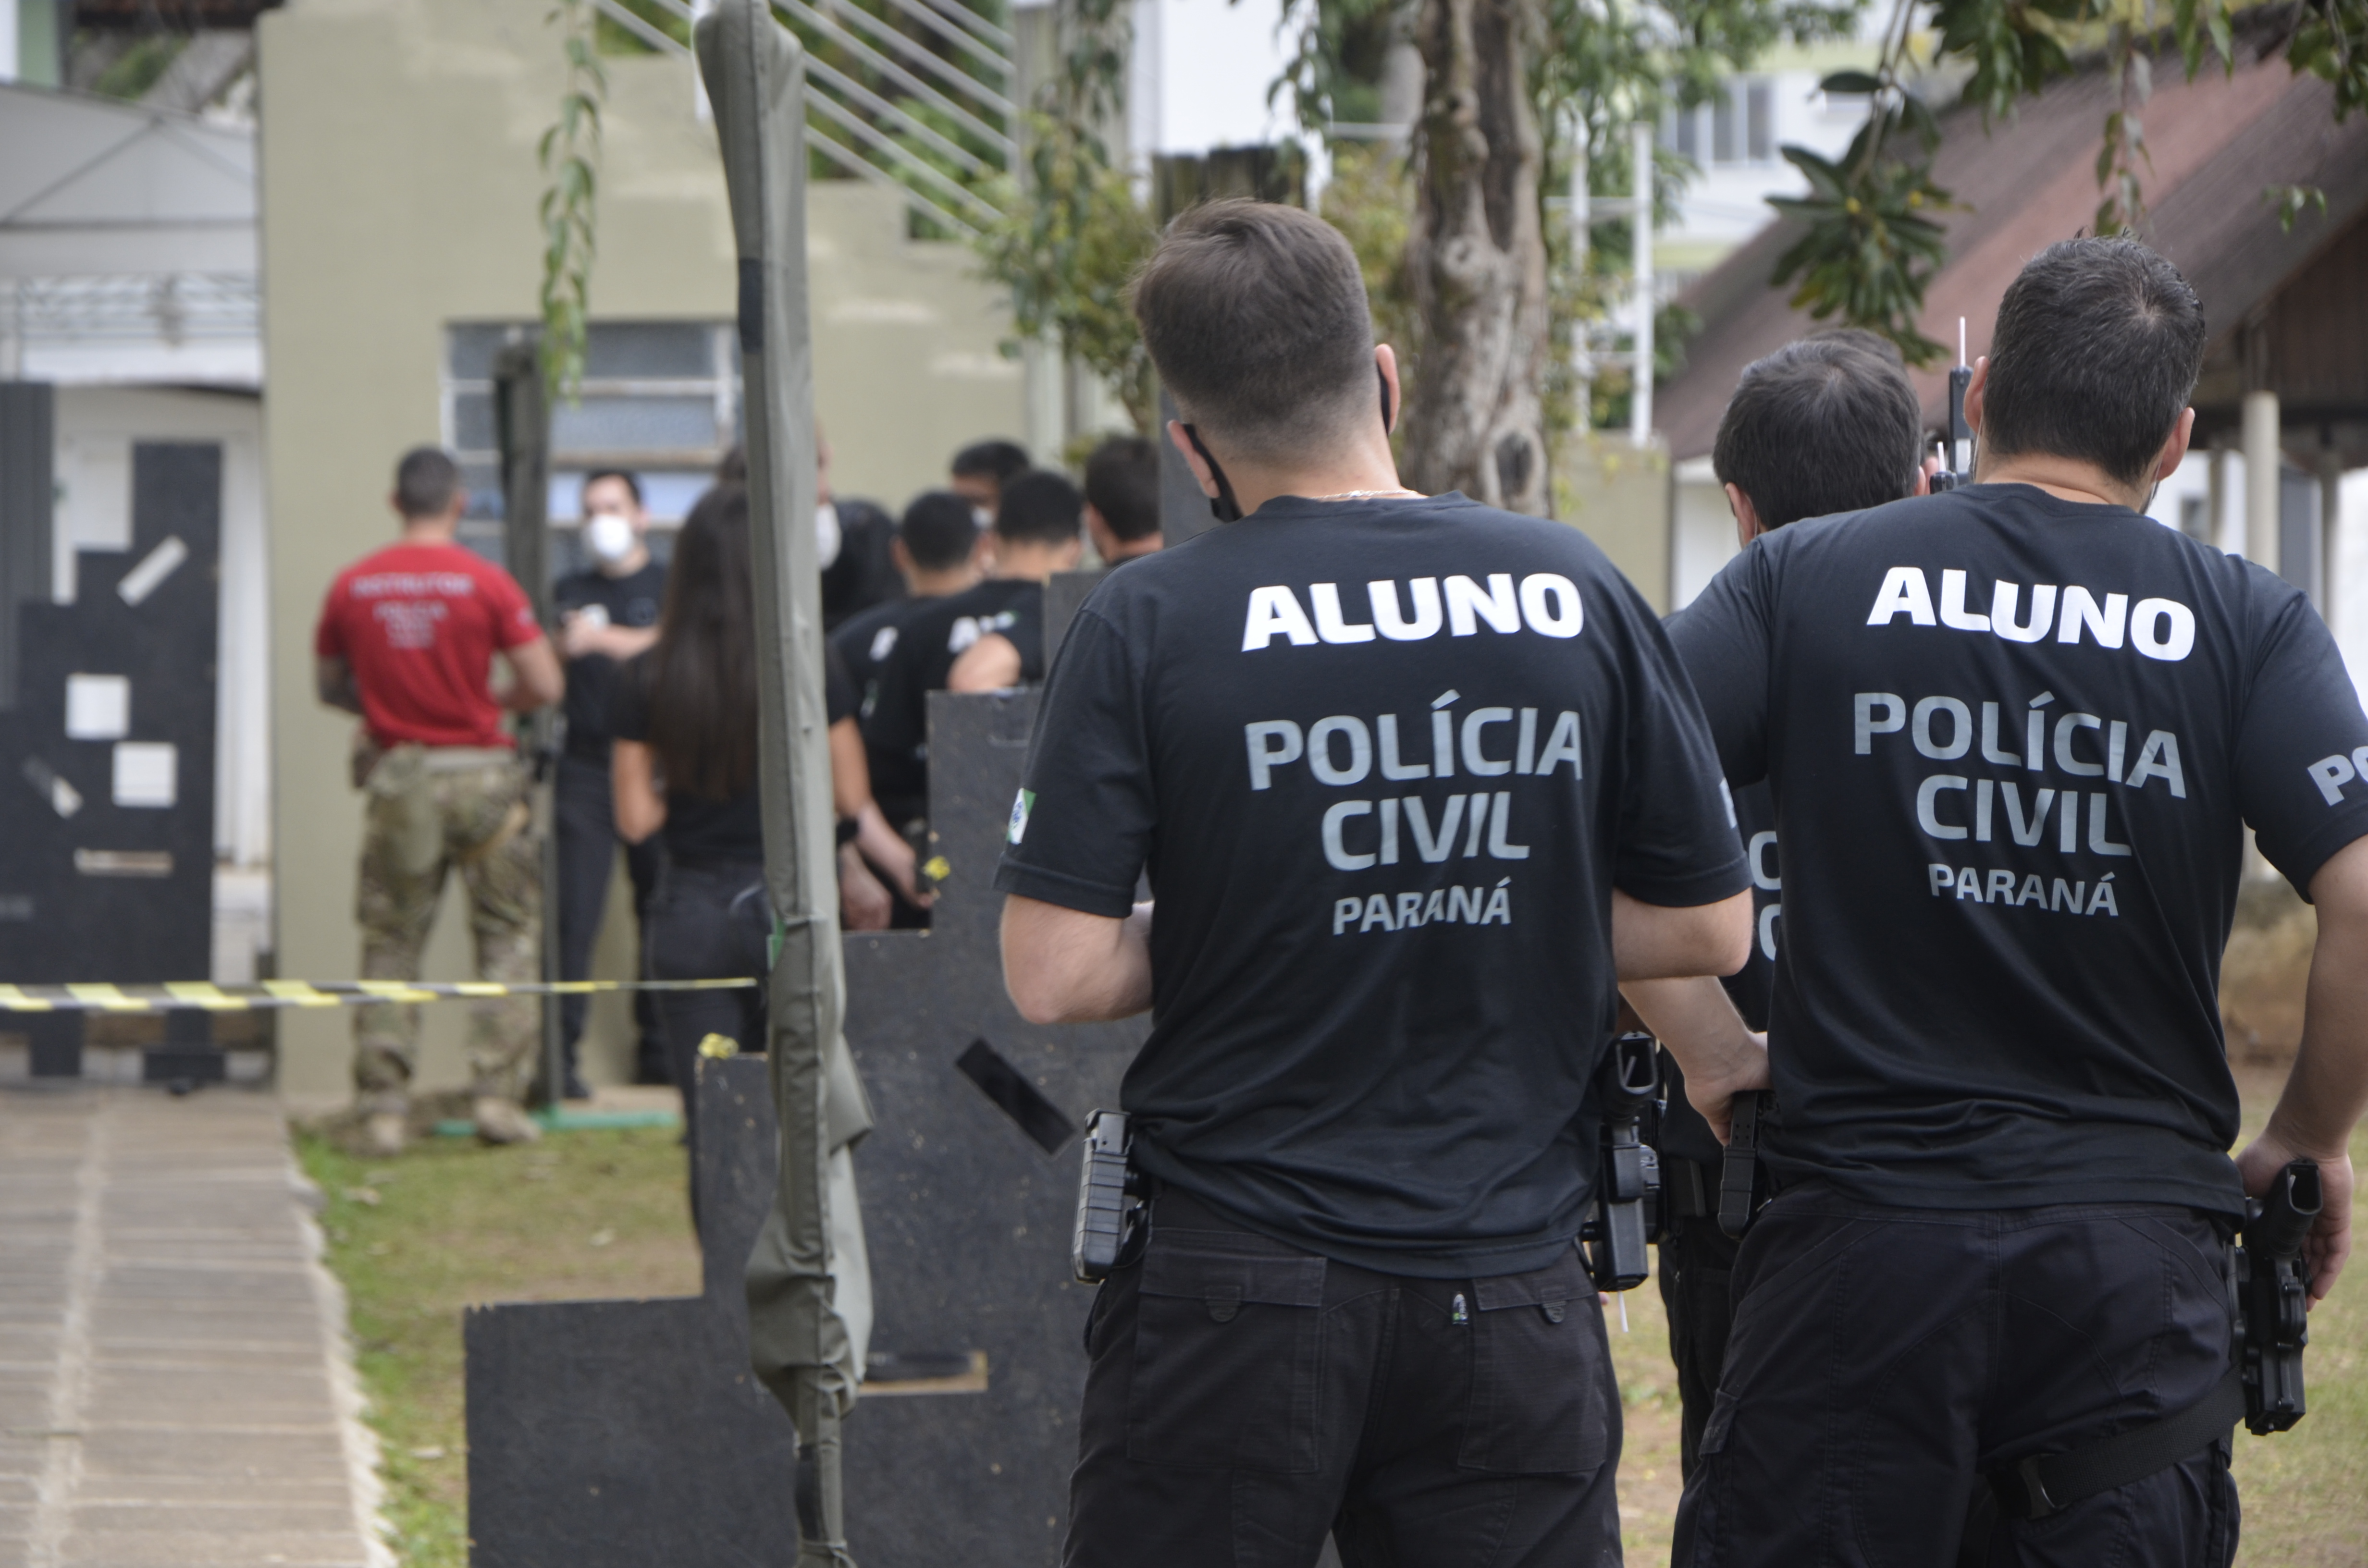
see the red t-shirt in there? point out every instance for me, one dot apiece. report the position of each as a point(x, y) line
point(418, 625)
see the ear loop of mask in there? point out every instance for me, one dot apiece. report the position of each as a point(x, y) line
point(1222, 507)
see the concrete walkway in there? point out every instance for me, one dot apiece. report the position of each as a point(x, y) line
point(173, 1384)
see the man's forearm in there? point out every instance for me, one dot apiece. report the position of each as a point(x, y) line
point(2328, 1089)
point(1065, 967)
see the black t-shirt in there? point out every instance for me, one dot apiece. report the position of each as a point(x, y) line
point(864, 573)
point(701, 828)
point(865, 641)
point(1384, 825)
point(1684, 1133)
point(896, 711)
point(2012, 741)
point(635, 600)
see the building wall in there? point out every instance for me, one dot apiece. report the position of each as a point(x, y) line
point(399, 194)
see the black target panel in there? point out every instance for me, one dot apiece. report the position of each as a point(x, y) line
point(593, 1427)
point(106, 758)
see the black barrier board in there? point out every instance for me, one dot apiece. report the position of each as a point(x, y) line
point(594, 1425)
point(107, 764)
point(632, 1432)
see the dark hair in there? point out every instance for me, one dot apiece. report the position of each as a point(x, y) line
point(1123, 481)
point(701, 673)
point(2096, 351)
point(424, 482)
point(939, 531)
point(732, 468)
point(1039, 507)
point(632, 485)
point(1874, 343)
point(1001, 458)
point(1819, 426)
point(1255, 317)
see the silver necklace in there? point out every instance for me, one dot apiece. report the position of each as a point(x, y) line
point(1367, 494)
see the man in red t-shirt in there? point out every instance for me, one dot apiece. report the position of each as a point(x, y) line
point(408, 640)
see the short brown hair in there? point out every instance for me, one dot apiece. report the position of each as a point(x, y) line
point(1256, 319)
point(2097, 348)
point(426, 481)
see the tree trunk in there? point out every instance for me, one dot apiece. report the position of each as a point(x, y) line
point(1477, 260)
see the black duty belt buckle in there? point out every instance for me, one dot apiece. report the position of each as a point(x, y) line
point(2022, 1490)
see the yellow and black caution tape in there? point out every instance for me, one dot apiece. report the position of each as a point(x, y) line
point(309, 994)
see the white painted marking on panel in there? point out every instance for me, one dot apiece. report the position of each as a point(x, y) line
point(98, 708)
point(146, 773)
point(145, 579)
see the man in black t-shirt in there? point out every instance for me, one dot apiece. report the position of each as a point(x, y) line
point(607, 613)
point(1824, 425)
point(2014, 732)
point(1036, 533)
point(1122, 499)
point(1411, 778)
point(936, 552)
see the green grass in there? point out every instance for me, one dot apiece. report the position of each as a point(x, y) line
point(578, 1216)
point(595, 1214)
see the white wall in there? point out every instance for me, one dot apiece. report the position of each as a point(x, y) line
point(95, 426)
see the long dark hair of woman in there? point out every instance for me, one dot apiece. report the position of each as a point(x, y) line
point(702, 671)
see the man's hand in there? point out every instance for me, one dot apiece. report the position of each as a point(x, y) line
point(2328, 1246)
point(1722, 1059)
point(333, 682)
point(580, 636)
point(864, 903)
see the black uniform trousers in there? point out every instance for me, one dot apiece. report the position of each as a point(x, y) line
point(709, 921)
point(1697, 1266)
point(1245, 1398)
point(1882, 1358)
point(583, 803)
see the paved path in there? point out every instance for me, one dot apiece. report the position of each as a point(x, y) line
point(173, 1389)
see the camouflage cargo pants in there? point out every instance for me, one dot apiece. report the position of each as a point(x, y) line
point(431, 813)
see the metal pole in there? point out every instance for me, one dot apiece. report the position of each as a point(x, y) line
point(2263, 461)
point(1582, 241)
point(522, 420)
point(756, 77)
point(1640, 221)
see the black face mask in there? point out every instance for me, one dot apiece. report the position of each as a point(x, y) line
point(1222, 507)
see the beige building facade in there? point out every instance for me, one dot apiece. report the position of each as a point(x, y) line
point(400, 185)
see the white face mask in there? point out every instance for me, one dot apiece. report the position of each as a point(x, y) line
point(826, 535)
point(608, 537)
point(982, 517)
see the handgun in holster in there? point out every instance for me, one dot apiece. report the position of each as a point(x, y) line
point(1627, 1190)
point(1111, 1227)
point(2272, 1290)
point(1742, 1176)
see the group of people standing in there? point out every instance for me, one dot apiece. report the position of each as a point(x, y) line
point(654, 663)
point(1428, 793)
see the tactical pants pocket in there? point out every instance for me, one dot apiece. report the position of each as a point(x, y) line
point(1538, 1368)
point(1228, 1344)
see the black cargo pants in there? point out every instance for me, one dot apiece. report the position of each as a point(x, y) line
point(1882, 1358)
point(1695, 1273)
point(1245, 1398)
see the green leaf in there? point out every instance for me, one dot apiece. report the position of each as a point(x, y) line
point(1850, 82)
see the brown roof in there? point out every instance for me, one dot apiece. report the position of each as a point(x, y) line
point(2216, 141)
